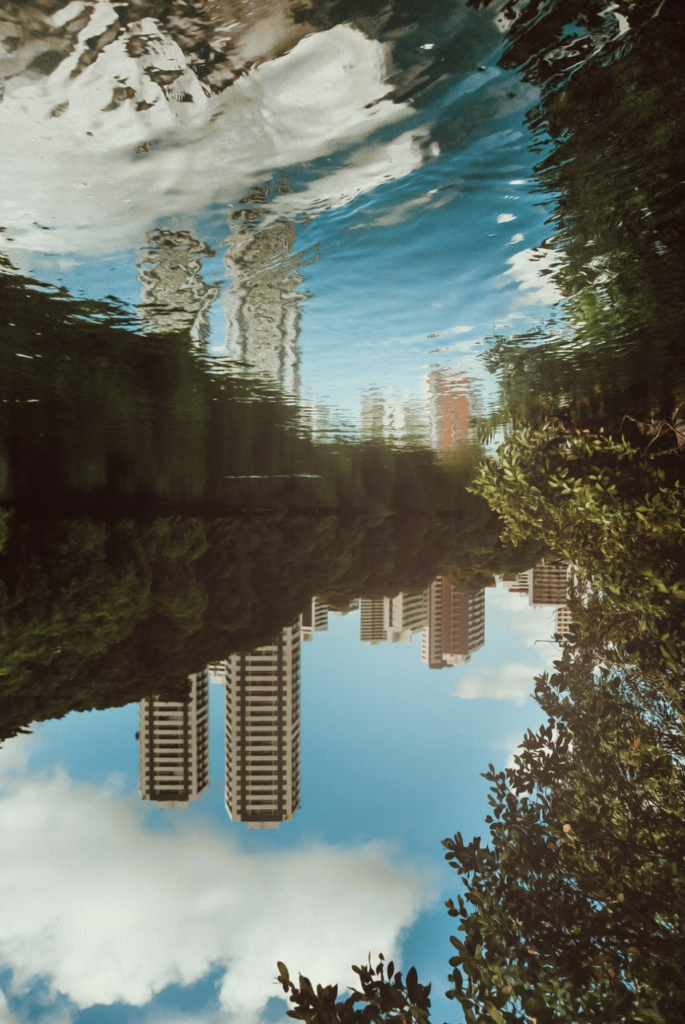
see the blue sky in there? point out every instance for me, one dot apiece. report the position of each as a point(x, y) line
point(391, 762)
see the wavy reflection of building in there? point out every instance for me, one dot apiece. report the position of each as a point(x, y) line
point(174, 297)
point(392, 417)
point(263, 732)
point(174, 746)
point(262, 305)
point(449, 409)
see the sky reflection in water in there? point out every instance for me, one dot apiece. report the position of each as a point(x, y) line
point(306, 264)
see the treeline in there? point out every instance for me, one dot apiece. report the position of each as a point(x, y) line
point(93, 411)
point(572, 907)
point(95, 614)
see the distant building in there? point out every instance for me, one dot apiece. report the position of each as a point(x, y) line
point(515, 582)
point(393, 619)
point(456, 625)
point(263, 732)
point(314, 619)
point(564, 619)
point(217, 672)
point(549, 584)
point(344, 607)
point(405, 615)
point(372, 619)
point(174, 746)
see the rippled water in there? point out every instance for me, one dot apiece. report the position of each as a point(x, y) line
point(277, 278)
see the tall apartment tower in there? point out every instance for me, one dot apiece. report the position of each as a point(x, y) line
point(515, 582)
point(405, 615)
point(563, 620)
point(174, 746)
point(314, 619)
point(263, 732)
point(372, 619)
point(432, 636)
point(456, 625)
point(548, 584)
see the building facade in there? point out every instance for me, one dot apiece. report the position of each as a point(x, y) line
point(455, 627)
point(263, 732)
point(174, 746)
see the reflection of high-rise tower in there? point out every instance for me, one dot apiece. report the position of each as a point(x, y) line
point(391, 416)
point(263, 306)
point(548, 584)
point(174, 746)
point(564, 620)
point(372, 619)
point(449, 409)
point(456, 625)
point(314, 619)
point(405, 615)
point(394, 619)
point(263, 732)
point(173, 295)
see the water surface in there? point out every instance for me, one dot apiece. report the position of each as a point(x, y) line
point(276, 278)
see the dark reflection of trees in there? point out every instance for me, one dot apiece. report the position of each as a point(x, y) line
point(572, 907)
point(91, 411)
point(617, 127)
point(98, 614)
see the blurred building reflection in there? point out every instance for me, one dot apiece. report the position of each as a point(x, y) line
point(262, 305)
point(449, 409)
point(174, 297)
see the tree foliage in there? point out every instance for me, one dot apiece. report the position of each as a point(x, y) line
point(94, 613)
point(572, 909)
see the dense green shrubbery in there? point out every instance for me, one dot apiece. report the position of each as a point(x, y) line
point(573, 910)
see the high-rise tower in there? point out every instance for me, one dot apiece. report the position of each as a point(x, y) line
point(456, 625)
point(372, 619)
point(174, 746)
point(263, 732)
point(314, 619)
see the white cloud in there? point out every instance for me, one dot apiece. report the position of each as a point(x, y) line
point(90, 176)
point(534, 625)
point(111, 912)
point(532, 270)
point(515, 239)
point(513, 682)
point(504, 218)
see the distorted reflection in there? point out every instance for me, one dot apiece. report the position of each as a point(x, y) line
point(342, 406)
